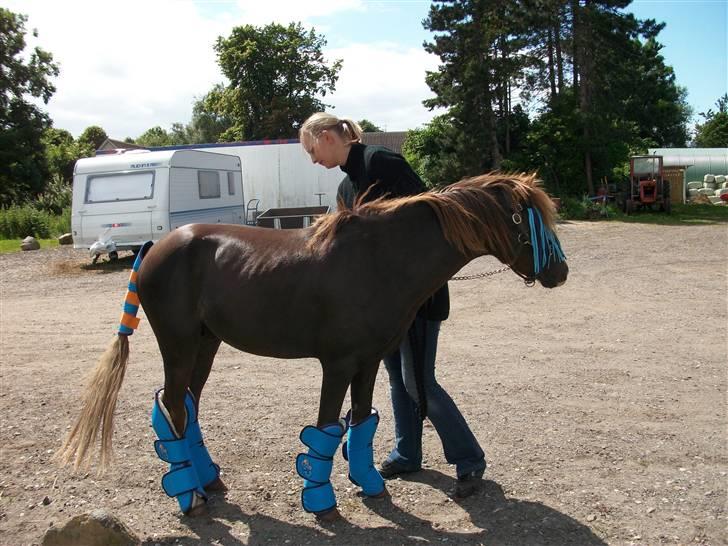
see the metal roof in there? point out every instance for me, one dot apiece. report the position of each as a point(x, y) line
point(697, 161)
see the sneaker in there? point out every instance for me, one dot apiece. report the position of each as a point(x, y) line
point(389, 469)
point(468, 484)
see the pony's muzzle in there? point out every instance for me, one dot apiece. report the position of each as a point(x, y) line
point(554, 276)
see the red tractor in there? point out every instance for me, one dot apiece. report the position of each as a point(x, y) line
point(647, 186)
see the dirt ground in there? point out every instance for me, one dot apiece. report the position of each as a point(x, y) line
point(601, 407)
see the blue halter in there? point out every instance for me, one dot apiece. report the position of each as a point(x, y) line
point(544, 242)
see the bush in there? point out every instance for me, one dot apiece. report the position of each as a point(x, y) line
point(19, 222)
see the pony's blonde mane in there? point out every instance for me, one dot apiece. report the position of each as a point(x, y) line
point(469, 212)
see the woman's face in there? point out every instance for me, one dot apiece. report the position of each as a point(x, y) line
point(326, 149)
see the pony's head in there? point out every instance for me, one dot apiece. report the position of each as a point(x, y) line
point(508, 216)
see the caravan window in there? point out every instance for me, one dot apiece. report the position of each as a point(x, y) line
point(120, 187)
point(231, 183)
point(209, 184)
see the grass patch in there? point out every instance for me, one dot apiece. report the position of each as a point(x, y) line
point(13, 245)
point(681, 215)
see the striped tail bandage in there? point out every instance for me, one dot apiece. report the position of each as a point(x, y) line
point(129, 321)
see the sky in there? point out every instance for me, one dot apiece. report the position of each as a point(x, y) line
point(133, 65)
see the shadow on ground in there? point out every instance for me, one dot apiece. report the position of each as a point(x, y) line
point(501, 521)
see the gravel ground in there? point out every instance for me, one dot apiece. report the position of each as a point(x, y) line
point(601, 407)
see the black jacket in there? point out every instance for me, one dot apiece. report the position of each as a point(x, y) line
point(384, 172)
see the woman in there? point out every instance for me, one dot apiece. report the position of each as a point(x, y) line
point(373, 172)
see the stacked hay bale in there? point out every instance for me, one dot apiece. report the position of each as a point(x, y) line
point(713, 187)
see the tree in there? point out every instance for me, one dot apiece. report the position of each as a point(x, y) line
point(210, 119)
point(713, 133)
point(435, 152)
point(368, 127)
point(156, 136)
point(92, 138)
point(277, 75)
point(23, 170)
point(61, 153)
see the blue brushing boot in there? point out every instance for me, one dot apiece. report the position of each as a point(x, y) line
point(182, 480)
point(207, 471)
point(315, 466)
point(359, 452)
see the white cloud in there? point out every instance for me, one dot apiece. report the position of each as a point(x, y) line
point(133, 65)
point(256, 12)
point(383, 83)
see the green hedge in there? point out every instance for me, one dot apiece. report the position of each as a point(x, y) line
point(19, 222)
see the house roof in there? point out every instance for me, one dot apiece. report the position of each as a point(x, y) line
point(392, 140)
point(113, 144)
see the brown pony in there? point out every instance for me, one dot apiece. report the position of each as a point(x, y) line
point(343, 291)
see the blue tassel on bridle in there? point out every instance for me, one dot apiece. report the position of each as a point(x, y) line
point(544, 242)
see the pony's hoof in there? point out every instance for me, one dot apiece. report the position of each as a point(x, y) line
point(383, 495)
point(217, 486)
point(330, 516)
point(199, 510)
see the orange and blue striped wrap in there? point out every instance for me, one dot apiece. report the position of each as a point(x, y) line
point(129, 321)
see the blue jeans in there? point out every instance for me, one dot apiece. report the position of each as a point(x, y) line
point(458, 442)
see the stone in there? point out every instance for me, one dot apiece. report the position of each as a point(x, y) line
point(65, 239)
point(29, 243)
point(97, 528)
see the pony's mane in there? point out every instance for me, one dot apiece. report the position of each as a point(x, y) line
point(469, 212)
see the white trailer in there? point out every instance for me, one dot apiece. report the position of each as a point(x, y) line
point(122, 200)
point(278, 173)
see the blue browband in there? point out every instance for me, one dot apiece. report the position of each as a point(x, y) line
point(544, 242)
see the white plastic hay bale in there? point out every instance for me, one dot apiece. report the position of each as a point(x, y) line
point(721, 192)
point(709, 178)
point(695, 185)
point(694, 191)
point(720, 179)
point(715, 199)
point(706, 191)
point(724, 185)
point(709, 185)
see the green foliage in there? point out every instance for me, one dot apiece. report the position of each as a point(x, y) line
point(276, 75)
point(23, 76)
point(713, 133)
point(56, 197)
point(435, 152)
point(368, 127)
point(592, 74)
point(19, 222)
point(156, 136)
point(91, 139)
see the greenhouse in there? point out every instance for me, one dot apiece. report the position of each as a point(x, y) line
point(693, 165)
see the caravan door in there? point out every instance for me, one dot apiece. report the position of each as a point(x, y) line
point(118, 206)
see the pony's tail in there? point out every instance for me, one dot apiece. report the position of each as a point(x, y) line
point(102, 388)
point(99, 403)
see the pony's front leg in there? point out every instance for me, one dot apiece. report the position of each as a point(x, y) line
point(322, 441)
point(359, 446)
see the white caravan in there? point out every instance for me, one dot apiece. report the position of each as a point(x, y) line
point(278, 173)
point(122, 200)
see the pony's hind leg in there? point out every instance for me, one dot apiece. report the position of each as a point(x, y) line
point(172, 415)
point(210, 472)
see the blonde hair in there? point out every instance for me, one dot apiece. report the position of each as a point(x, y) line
point(319, 122)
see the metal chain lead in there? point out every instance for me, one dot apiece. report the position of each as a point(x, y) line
point(481, 275)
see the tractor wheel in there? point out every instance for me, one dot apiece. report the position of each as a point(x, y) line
point(629, 206)
point(668, 206)
point(113, 256)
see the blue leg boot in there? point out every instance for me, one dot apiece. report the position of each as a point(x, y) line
point(181, 481)
point(207, 471)
point(359, 452)
point(315, 466)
